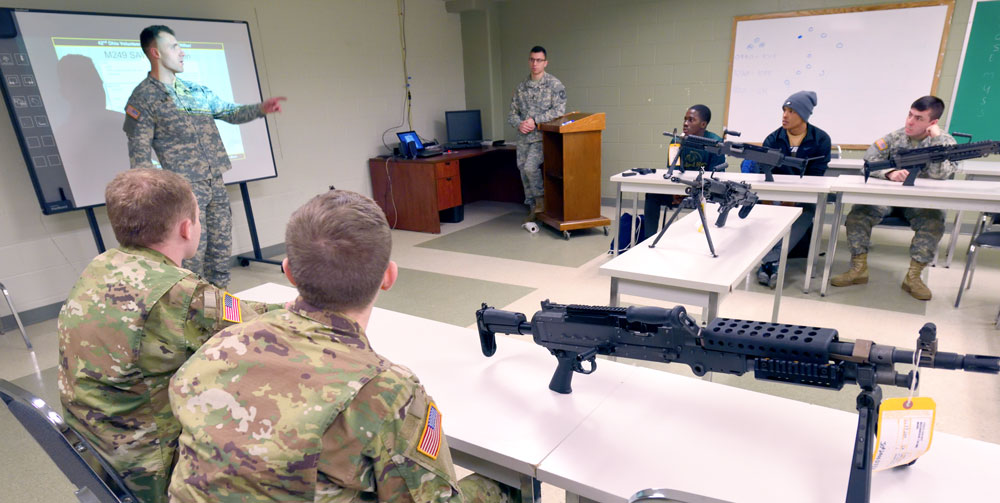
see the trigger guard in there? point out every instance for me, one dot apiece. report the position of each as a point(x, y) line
point(578, 366)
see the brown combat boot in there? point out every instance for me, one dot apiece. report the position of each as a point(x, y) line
point(858, 274)
point(913, 284)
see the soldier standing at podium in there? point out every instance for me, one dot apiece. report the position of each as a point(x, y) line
point(537, 99)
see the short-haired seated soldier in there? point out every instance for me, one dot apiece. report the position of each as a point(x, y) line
point(133, 317)
point(920, 130)
point(797, 137)
point(696, 121)
point(297, 406)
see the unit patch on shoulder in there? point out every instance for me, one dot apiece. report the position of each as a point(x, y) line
point(231, 308)
point(881, 144)
point(430, 440)
point(132, 111)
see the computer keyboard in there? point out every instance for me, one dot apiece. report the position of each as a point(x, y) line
point(462, 145)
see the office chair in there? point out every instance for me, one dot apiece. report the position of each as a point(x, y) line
point(652, 496)
point(981, 238)
point(95, 479)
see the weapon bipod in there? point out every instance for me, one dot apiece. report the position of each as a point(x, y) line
point(694, 200)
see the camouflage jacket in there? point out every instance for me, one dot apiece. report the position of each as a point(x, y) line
point(897, 139)
point(180, 127)
point(296, 406)
point(542, 100)
point(130, 321)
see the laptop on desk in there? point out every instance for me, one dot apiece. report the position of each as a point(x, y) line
point(411, 147)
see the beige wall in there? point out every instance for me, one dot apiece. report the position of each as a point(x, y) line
point(644, 62)
point(339, 64)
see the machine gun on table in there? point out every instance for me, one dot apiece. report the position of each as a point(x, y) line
point(727, 194)
point(915, 160)
point(766, 158)
point(809, 356)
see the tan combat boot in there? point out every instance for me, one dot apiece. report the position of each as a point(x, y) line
point(913, 284)
point(857, 275)
point(539, 205)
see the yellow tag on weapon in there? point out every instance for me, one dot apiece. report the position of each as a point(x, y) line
point(672, 153)
point(904, 431)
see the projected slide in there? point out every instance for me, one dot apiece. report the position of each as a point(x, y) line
point(68, 76)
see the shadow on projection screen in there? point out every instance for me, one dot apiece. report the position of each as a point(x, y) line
point(67, 77)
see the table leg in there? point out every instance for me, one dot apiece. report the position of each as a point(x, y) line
point(832, 247)
point(782, 262)
point(531, 489)
point(713, 309)
point(635, 217)
point(618, 218)
point(955, 231)
point(614, 293)
point(814, 239)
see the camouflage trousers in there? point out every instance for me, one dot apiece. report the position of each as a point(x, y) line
point(928, 224)
point(476, 488)
point(529, 161)
point(215, 248)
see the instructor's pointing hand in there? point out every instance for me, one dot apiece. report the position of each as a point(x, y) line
point(272, 105)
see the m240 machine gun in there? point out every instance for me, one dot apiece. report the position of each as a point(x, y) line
point(808, 356)
point(915, 160)
point(727, 194)
point(766, 158)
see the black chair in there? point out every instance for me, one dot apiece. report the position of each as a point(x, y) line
point(982, 237)
point(95, 479)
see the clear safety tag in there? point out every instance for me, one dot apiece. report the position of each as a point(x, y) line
point(905, 429)
point(672, 152)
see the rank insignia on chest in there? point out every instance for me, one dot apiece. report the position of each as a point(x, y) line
point(132, 112)
point(231, 308)
point(881, 144)
point(430, 440)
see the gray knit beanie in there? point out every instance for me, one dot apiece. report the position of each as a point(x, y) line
point(802, 102)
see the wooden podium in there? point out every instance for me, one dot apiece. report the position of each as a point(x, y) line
point(572, 172)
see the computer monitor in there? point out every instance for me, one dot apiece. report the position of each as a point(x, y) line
point(408, 136)
point(464, 126)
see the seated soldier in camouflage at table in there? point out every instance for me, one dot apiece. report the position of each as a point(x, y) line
point(297, 406)
point(131, 320)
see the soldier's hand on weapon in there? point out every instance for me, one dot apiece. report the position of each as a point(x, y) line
point(898, 175)
point(272, 105)
point(933, 131)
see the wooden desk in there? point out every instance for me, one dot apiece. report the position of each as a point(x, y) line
point(681, 269)
point(412, 192)
point(790, 188)
point(972, 195)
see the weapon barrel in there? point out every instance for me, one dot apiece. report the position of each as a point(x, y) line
point(942, 360)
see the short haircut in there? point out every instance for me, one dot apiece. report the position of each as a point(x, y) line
point(932, 103)
point(147, 39)
point(145, 203)
point(338, 247)
point(540, 49)
point(703, 112)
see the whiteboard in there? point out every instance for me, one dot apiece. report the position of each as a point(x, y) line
point(70, 75)
point(866, 67)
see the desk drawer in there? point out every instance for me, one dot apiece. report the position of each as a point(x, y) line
point(446, 169)
point(449, 192)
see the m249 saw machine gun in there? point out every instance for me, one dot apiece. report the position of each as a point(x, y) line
point(809, 356)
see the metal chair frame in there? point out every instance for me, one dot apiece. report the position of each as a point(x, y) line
point(981, 237)
point(17, 319)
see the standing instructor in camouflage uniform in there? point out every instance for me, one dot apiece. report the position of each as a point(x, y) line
point(539, 98)
point(921, 130)
point(131, 320)
point(177, 119)
point(296, 406)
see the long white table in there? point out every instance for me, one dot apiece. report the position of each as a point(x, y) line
point(681, 269)
point(925, 193)
point(787, 188)
point(491, 406)
point(628, 428)
point(843, 166)
point(706, 442)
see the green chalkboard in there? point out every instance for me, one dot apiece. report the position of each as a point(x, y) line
point(976, 104)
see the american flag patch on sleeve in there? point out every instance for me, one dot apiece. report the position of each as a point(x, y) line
point(231, 308)
point(430, 440)
point(132, 112)
point(881, 144)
